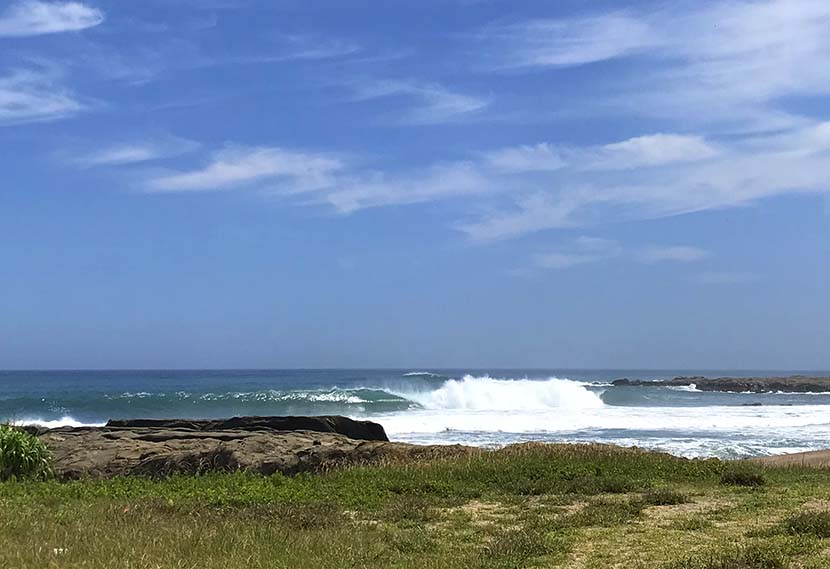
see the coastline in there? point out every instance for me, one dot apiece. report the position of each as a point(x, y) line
point(378, 504)
point(263, 445)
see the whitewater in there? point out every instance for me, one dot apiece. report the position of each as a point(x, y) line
point(479, 407)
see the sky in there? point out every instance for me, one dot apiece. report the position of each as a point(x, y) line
point(443, 183)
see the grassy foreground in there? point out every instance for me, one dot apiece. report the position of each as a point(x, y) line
point(524, 506)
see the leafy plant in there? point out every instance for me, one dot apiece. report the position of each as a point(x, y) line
point(22, 456)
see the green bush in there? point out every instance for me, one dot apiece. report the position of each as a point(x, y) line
point(22, 456)
point(664, 497)
point(815, 523)
point(742, 476)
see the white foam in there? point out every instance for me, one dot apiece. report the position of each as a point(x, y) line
point(721, 421)
point(421, 374)
point(725, 431)
point(691, 388)
point(488, 394)
point(54, 424)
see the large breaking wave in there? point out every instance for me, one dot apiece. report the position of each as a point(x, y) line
point(489, 394)
point(466, 394)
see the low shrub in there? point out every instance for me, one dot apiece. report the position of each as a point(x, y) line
point(22, 456)
point(742, 557)
point(813, 523)
point(664, 497)
point(742, 476)
point(604, 512)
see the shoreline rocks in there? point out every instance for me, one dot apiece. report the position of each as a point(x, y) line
point(790, 384)
point(266, 445)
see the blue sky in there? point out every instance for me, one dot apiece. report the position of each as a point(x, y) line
point(234, 183)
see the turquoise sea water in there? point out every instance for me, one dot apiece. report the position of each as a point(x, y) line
point(472, 406)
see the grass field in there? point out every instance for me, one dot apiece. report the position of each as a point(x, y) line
point(525, 506)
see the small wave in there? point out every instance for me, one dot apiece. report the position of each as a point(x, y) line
point(422, 374)
point(54, 424)
point(691, 388)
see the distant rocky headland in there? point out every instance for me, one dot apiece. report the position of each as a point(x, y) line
point(791, 384)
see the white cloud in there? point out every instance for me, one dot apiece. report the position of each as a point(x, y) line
point(34, 95)
point(237, 166)
point(434, 103)
point(32, 18)
point(307, 47)
point(541, 157)
point(637, 152)
point(679, 253)
point(441, 181)
point(564, 43)
point(562, 260)
point(724, 278)
point(796, 161)
point(534, 212)
point(717, 63)
point(135, 152)
point(650, 150)
point(584, 250)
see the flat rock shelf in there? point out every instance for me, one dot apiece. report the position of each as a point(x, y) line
point(289, 445)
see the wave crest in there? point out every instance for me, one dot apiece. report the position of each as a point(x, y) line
point(489, 394)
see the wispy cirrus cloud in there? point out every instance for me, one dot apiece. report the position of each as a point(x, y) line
point(30, 95)
point(637, 152)
point(724, 278)
point(433, 103)
point(34, 18)
point(585, 250)
point(570, 42)
point(795, 161)
point(680, 253)
point(722, 63)
point(235, 167)
point(135, 152)
point(541, 187)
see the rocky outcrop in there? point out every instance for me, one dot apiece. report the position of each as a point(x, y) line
point(793, 384)
point(256, 444)
point(363, 430)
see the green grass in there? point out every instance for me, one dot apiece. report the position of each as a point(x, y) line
point(811, 523)
point(22, 456)
point(528, 506)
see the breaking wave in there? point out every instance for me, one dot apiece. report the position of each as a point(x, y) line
point(489, 394)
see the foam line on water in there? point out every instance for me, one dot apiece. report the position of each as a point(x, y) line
point(54, 424)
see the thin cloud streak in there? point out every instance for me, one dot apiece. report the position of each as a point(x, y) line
point(34, 18)
point(586, 250)
point(724, 63)
point(235, 167)
point(135, 152)
point(35, 95)
point(434, 103)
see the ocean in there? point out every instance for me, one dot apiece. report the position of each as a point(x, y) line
point(476, 407)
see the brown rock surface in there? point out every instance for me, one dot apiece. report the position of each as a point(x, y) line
point(91, 452)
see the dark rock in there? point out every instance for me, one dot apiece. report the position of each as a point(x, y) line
point(790, 384)
point(363, 430)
